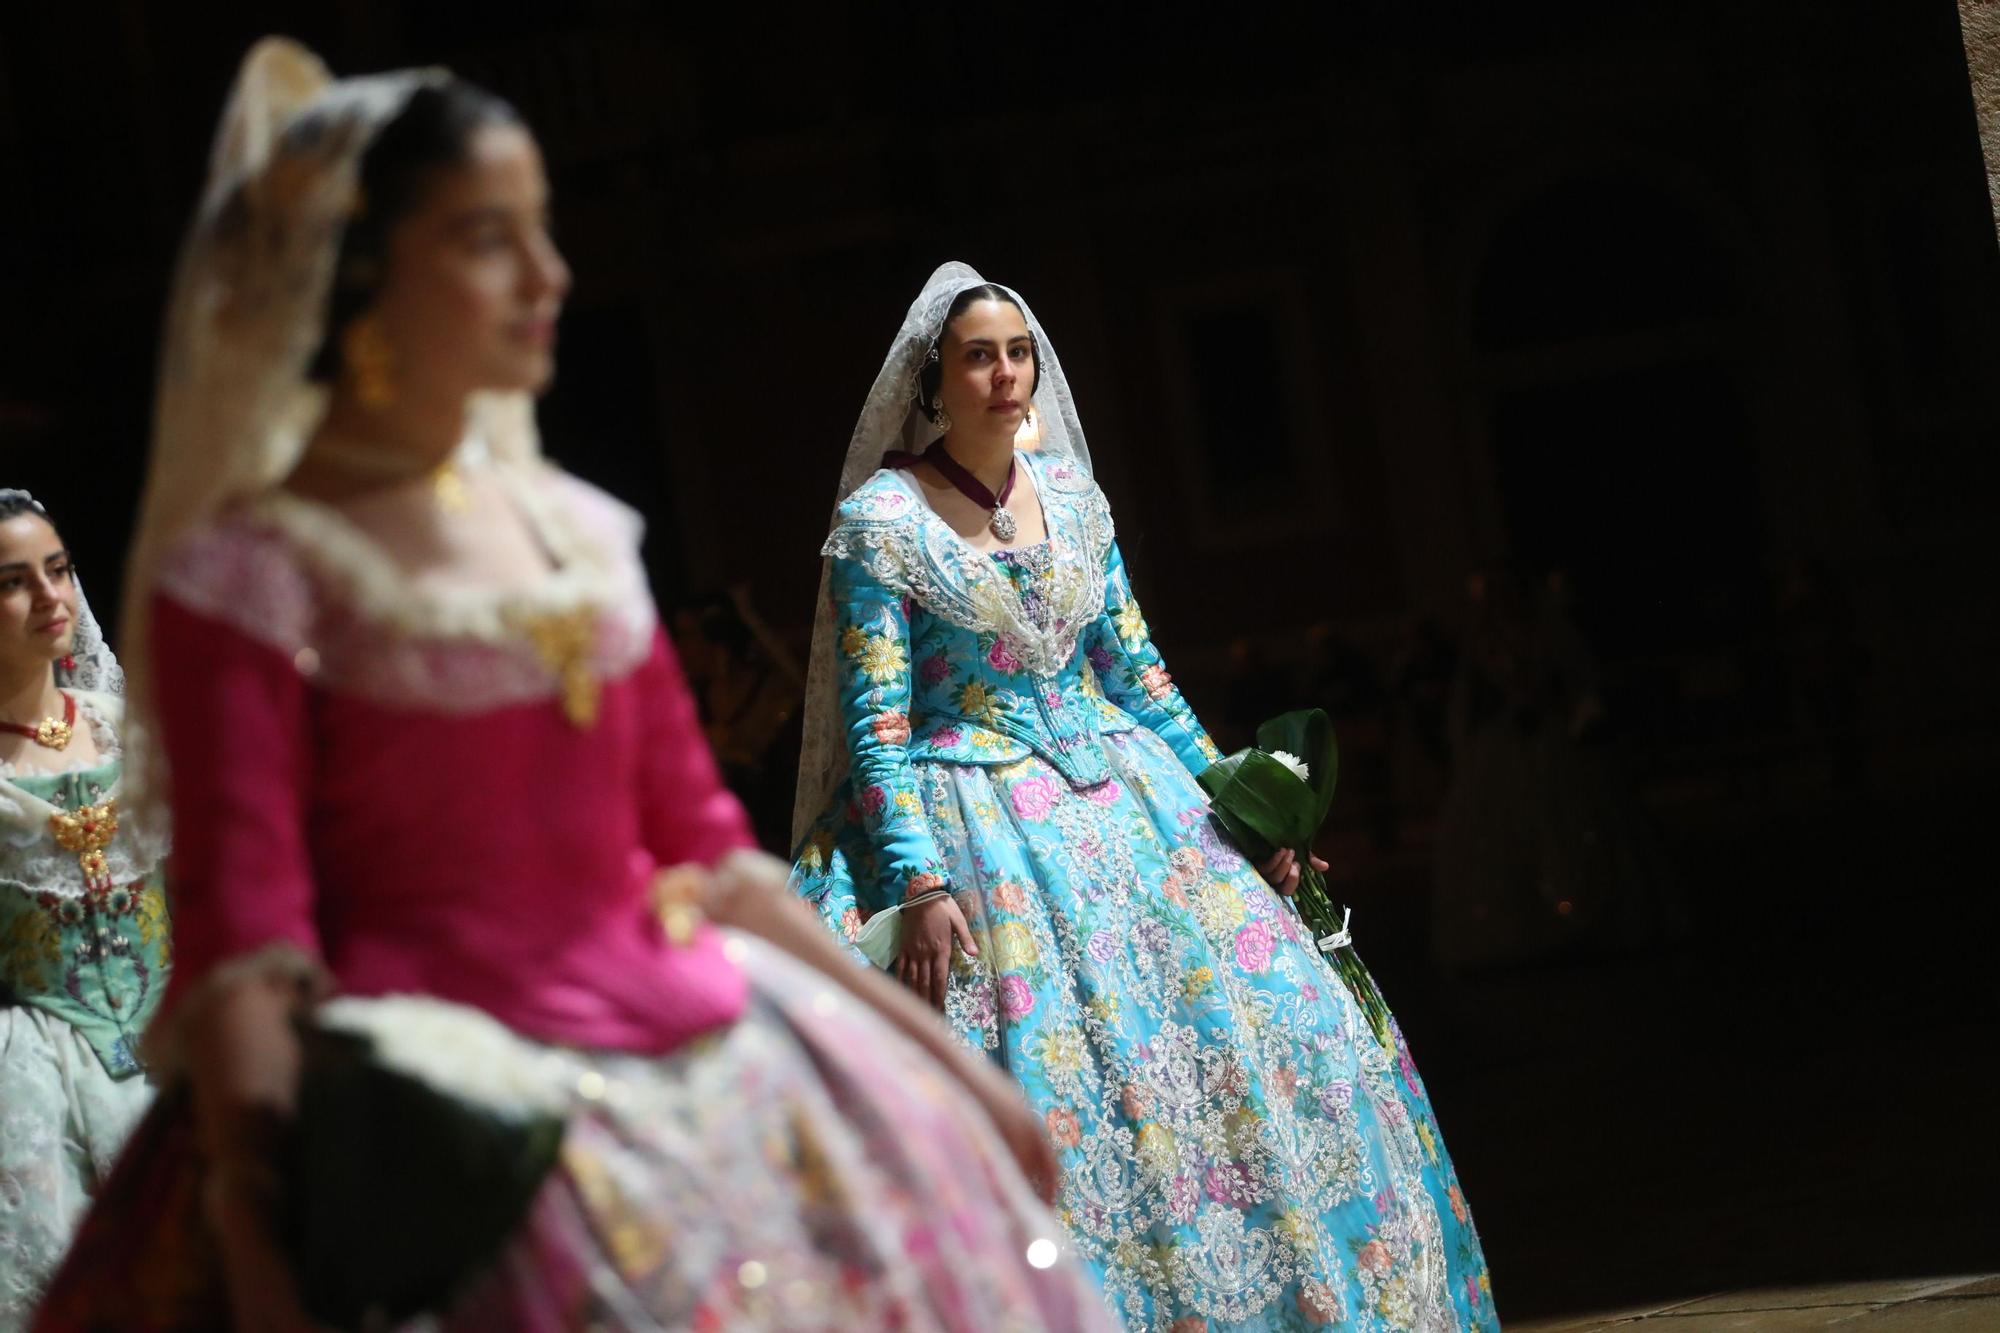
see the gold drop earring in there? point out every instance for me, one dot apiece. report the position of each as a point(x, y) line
point(370, 362)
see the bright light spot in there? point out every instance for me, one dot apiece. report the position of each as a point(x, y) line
point(751, 1275)
point(1042, 1253)
point(590, 1085)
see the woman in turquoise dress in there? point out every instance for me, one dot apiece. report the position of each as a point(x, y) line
point(988, 716)
point(83, 923)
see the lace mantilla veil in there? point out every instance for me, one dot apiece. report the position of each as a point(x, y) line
point(95, 669)
point(891, 419)
point(235, 406)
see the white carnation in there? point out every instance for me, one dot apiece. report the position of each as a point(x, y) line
point(457, 1050)
point(1293, 762)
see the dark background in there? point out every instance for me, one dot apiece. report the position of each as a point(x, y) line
point(1698, 303)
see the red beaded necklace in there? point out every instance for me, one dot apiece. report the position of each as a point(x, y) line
point(50, 733)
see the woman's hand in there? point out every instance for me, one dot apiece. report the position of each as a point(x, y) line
point(242, 1055)
point(1282, 871)
point(928, 932)
point(242, 1060)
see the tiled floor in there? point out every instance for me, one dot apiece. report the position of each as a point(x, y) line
point(1950, 1303)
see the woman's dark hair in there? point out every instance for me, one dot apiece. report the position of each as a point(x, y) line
point(931, 374)
point(13, 504)
point(434, 131)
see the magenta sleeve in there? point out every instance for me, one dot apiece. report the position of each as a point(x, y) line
point(686, 812)
point(234, 719)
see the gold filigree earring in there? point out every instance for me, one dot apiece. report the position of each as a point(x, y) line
point(370, 362)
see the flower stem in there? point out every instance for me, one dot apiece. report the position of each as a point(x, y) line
point(1322, 918)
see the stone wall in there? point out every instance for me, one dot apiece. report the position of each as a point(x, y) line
point(1979, 22)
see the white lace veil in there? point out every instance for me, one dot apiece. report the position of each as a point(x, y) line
point(891, 419)
point(235, 405)
point(94, 669)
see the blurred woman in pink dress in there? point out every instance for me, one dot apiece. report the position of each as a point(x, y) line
point(436, 779)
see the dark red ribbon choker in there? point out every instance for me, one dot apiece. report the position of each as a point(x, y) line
point(971, 487)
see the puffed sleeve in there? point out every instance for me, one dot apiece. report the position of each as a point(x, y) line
point(687, 814)
point(872, 677)
point(235, 719)
point(1120, 649)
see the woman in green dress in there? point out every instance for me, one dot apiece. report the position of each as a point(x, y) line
point(83, 922)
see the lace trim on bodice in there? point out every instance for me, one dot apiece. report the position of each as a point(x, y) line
point(29, 853)
point(901, 541)
point(297, 576)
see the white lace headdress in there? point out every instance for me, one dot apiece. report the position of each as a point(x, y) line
point(236, 405)
point(890, 420)
point(93, 667)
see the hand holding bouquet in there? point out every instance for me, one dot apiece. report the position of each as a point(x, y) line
point(1275, 795)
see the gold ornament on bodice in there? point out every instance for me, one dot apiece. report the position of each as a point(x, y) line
point(565, 640)
point(87, 831)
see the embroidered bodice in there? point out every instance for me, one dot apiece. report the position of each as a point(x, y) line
point(950, 654)
point(446, 791)
point(83, 919)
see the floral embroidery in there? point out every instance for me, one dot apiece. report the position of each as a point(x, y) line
point(892, 727)
point(882, 658)
point(1063, 1130)
point(975, 700)
point(1131, 625)
point(83, 928)
point(1001, 656)
point(1017, 997)
point(1253, 947)
point(1014, 947)
point(1035, 797)
point(1231, 1143)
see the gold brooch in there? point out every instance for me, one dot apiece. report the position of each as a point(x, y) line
point(87, 831)
point(564, 641)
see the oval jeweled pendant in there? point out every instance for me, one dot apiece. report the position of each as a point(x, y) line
point(1003, 524)
point(53, 734)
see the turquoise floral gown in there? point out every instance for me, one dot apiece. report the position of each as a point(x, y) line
point(83, 962)
point(1239, 1151)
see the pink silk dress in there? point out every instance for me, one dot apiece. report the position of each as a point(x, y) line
point(461, 796)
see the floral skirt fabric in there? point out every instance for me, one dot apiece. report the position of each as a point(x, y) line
point(1239, 1151)
point(62, 1122)
point(804, 1168)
